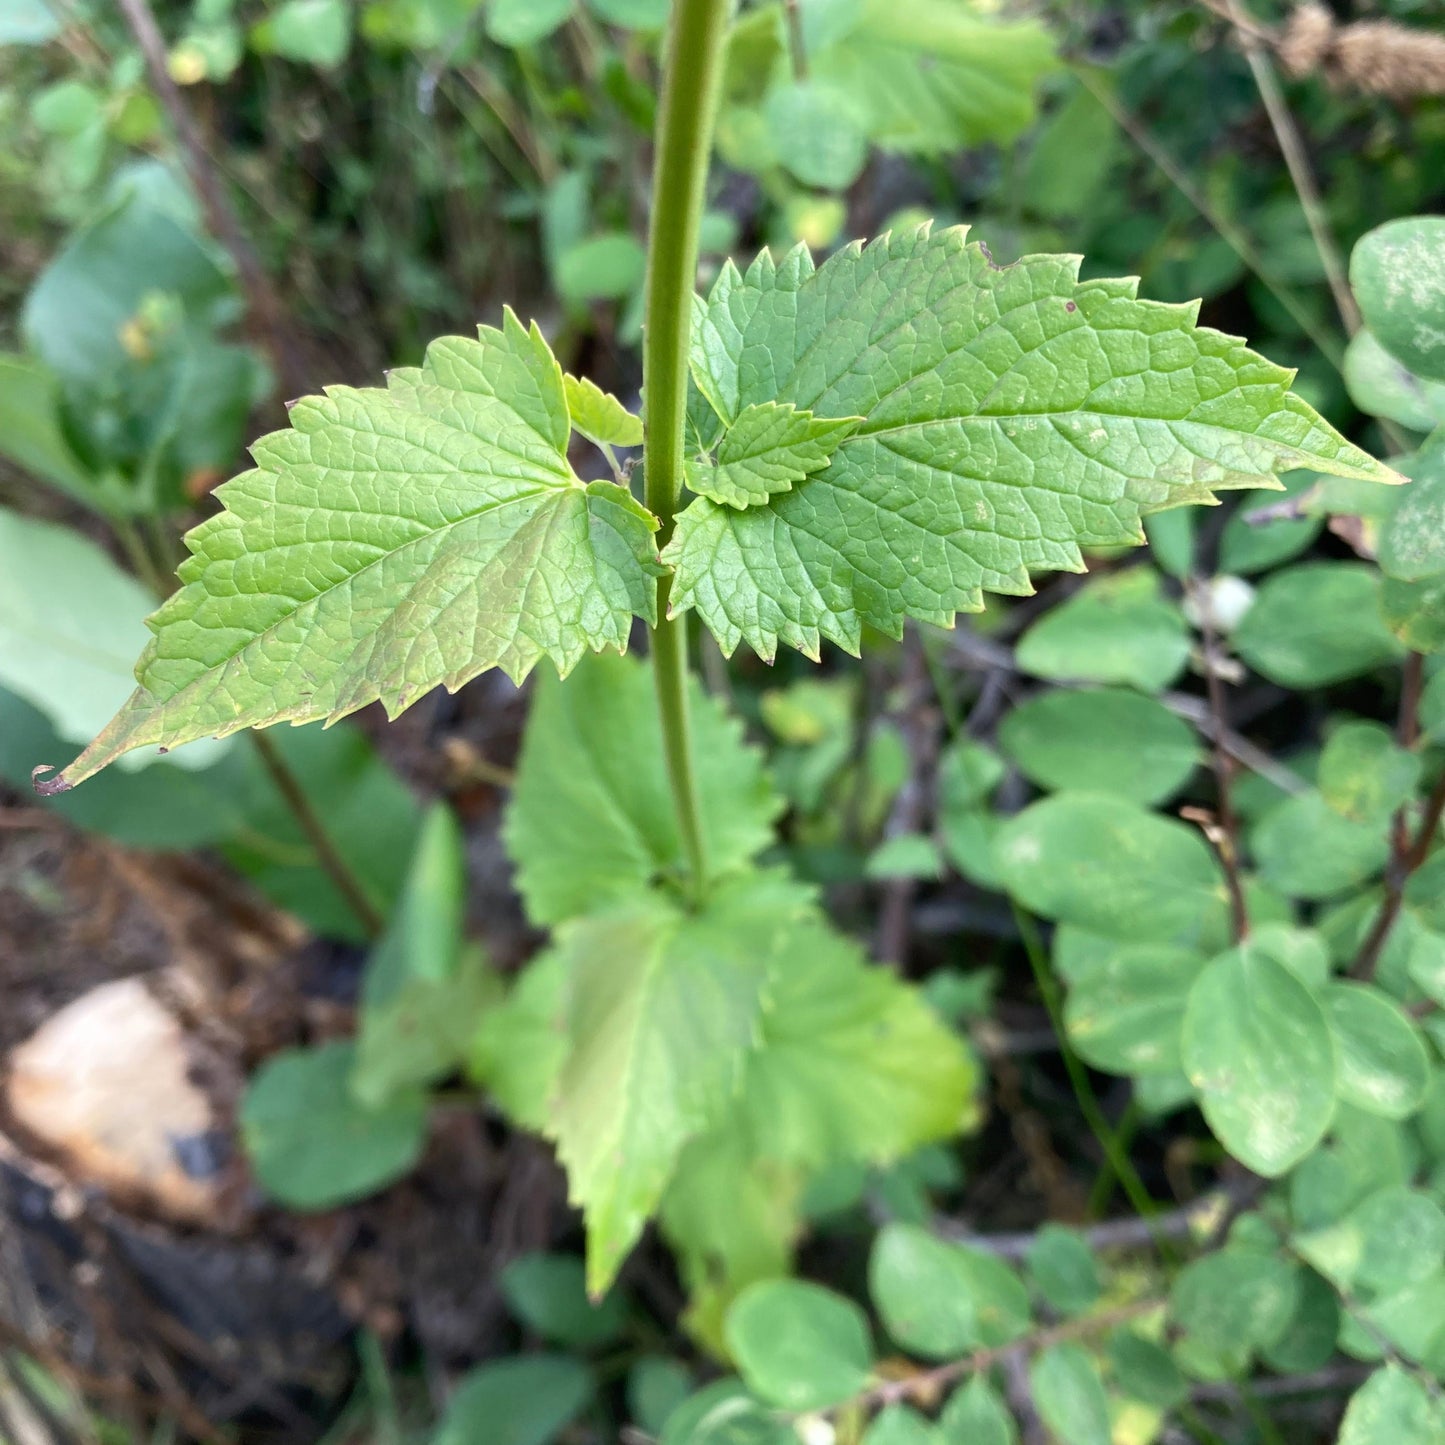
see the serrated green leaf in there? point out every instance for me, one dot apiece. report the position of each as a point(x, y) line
point(1106, 741)
point(1012, 414)
point(941, 1300)
point(1382, 1064)
point(765, 451)
point(391, 542)
point(592, 819)
point(663, 1009)
point(1070, 1395)
point(798, 1345)
point(1257, 1047)
point(1397, 272)
point(853, 1063)
point(1316, 624)
point(1110, 867)
point(312, 1144)
point(598, 415)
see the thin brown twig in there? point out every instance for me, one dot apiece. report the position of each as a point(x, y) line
point(1227, 231)
point(971, 650)
point(927, 1384)
point(1297, 162)
point(797, 48)
point(1224, 833)
point(1396, 878)
point(1195, 1220)
point(327, 855)
point(1397, 874)
point(262, 302)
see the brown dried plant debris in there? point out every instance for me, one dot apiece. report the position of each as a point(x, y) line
point(1378, 57)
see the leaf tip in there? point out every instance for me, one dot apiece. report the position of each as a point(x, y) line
point(48, 787)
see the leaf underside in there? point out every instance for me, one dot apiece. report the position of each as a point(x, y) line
point(390, 542)
point(1011, 415)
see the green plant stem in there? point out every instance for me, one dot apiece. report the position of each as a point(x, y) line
point(333, 864)
point(1114, 1152)
point(692, 75)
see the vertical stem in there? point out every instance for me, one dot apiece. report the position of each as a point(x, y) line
point(692, 76)
point(1114, 1153)
point(327, 855)
point(1297, 161)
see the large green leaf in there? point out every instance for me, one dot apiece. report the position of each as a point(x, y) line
point(525, 1400)
point(390, 542)
point(1398, 273)
point(592, 817)
point(799, 1345)
point(1316, 624)
point(1258, 1048)
point(31, 434)
point(941, 1300)
point(70, 623)
point(1390, 1408)
point(852, 1066)
point(1106, 741)
point(1109, 866)
point(312, 1144)
point(1011, 415)
point(853, 1063)
point(664, 1006)
point(933, 75)
point(1070, 1395)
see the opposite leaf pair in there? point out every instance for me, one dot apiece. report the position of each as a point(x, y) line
point(907, 426)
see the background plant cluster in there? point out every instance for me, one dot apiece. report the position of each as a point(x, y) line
point(1138, 1135)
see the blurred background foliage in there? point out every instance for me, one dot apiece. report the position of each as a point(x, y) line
point(401, 168)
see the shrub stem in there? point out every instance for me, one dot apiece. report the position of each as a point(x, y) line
point(692, 74)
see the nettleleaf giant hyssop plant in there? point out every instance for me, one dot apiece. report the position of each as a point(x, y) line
point(882, 437)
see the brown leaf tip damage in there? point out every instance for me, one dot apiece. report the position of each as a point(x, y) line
point(48, 787)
